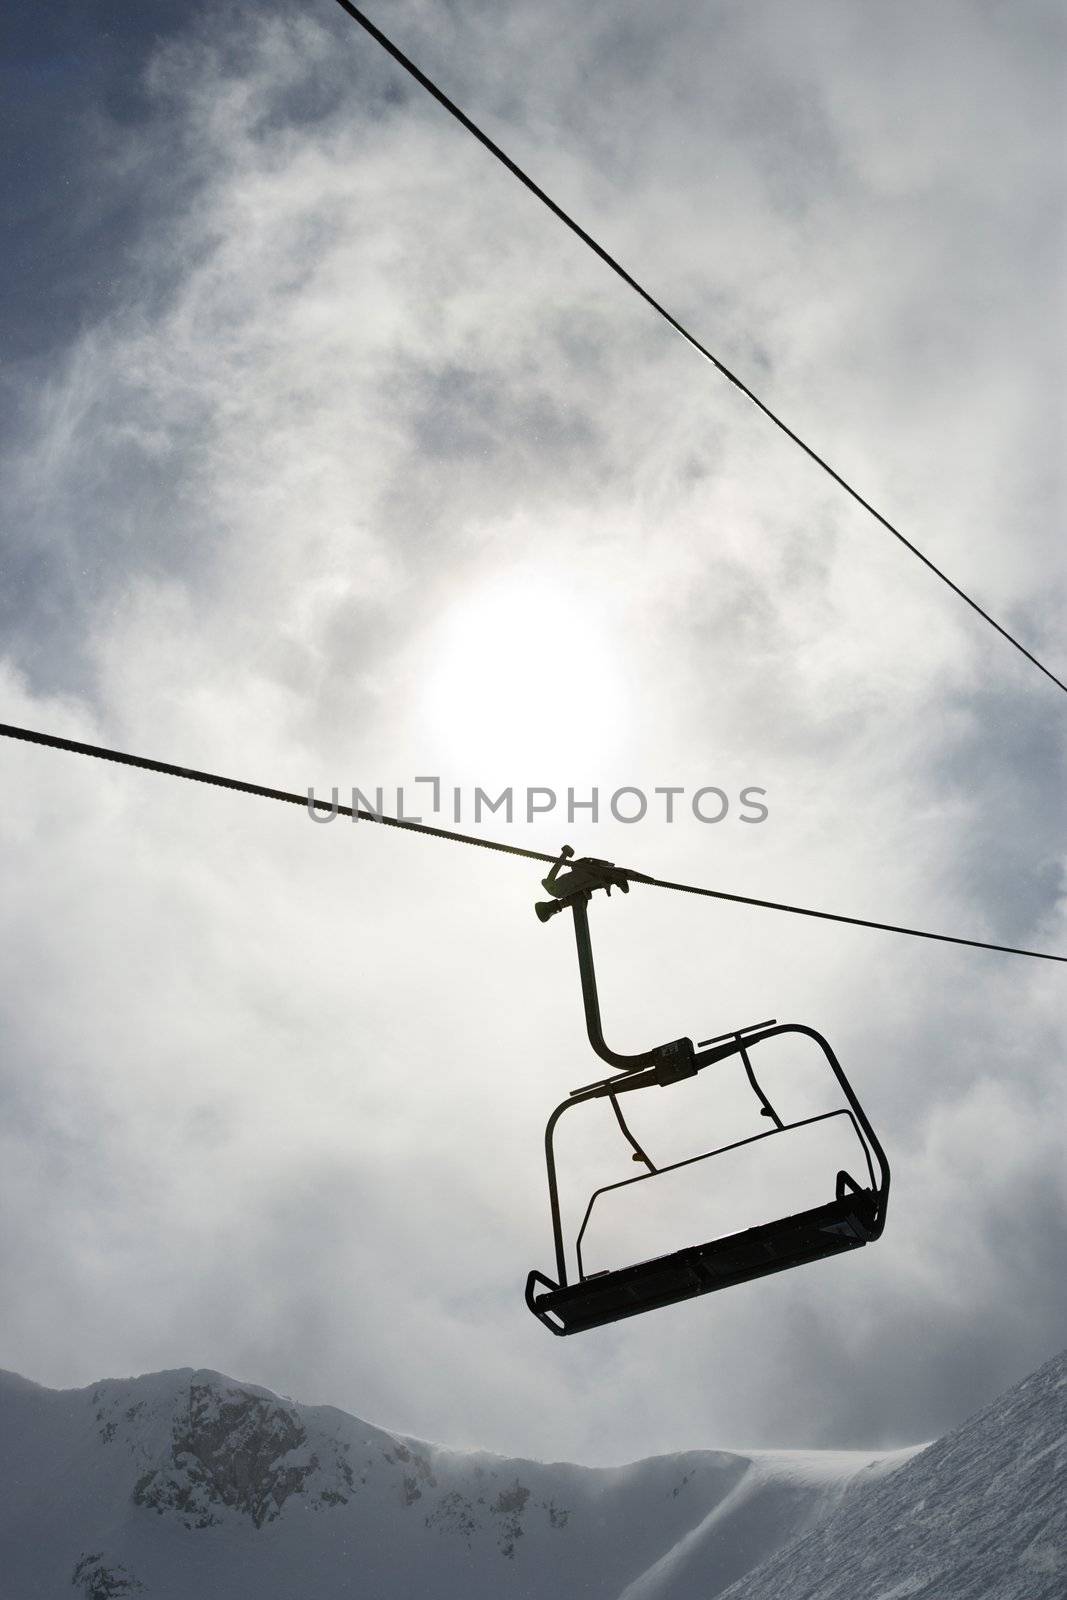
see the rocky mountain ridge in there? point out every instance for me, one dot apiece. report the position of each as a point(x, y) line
point(183, 1483)
point(187, 1481)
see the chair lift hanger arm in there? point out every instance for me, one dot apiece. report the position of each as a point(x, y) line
point(572, 892)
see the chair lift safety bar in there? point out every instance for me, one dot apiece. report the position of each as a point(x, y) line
point(855, 1216)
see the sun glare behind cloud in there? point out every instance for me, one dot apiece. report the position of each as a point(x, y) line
point(523, 676)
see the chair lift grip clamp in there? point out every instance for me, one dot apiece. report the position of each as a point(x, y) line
point(582, 876)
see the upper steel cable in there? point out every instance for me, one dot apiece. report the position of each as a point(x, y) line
point(102, 753)
point(616, 267)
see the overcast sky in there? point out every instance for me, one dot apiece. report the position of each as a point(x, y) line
point(330, 458)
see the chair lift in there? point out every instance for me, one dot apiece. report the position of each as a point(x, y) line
point(854, 1217)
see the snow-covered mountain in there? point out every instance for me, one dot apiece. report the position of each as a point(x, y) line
point(188, 1484)
point(980, 1515)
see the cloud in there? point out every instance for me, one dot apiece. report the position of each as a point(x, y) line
point(276, 1093)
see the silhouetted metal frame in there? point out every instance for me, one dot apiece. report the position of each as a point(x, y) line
point(671, 1063)
point(648, 1078)
point(594, 1027)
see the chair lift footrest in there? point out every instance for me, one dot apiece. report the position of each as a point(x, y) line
point(826, 1230)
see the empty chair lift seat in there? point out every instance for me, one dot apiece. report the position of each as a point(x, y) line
point(853, 1218)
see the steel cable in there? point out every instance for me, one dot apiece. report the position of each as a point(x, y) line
point(616, 267)
point(100, 752)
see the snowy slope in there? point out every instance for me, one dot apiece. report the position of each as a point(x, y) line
point(980, 1515)
point(187, 1483)
point(781, 1495)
